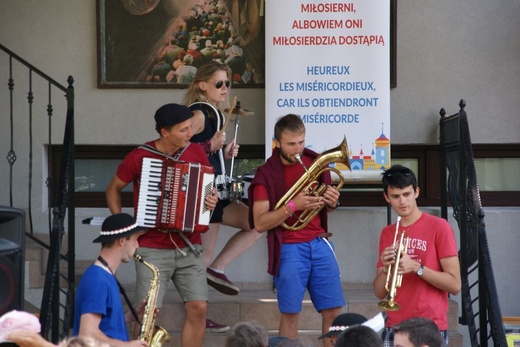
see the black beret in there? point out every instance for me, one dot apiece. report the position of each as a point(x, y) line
point(171, 114)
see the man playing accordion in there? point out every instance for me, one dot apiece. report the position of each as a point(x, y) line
point(175, 254)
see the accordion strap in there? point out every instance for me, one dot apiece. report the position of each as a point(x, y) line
point(156, 151)
point(188, 242)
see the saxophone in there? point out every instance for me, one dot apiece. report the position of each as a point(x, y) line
point(149, 332)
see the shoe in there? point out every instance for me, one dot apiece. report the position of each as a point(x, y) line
point(212, 327)
point(221, 283)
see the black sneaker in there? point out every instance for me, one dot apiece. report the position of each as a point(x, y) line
point(221, 283)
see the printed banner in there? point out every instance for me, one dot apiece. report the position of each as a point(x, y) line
point(329, 63)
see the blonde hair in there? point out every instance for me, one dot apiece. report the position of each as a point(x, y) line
point(204, 74)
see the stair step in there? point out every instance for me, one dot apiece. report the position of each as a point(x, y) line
point(218, 340)
point(261, 306)
point(257, 301)
point(37, 256)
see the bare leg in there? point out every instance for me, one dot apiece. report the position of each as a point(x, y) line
point(327, 316)
point(237, 245)
point(236, 216)
point(289, 325)
point(194, 324)
point(209, 240)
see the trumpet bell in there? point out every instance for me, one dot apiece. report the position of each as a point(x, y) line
point(389, 305)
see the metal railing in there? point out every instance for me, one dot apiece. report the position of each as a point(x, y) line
point(57, 307)
point(480, 305)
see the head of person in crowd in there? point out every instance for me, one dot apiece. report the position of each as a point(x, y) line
point(417, 332)
point(359, 336)
point(18, 320)
point(82, 341)
point(192, 46)
point(295, 343)
point(341, 323)
point(275, 341)
point(210, 84)
point(247, 334)
point(188, 59)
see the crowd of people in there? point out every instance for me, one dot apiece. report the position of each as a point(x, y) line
point(300, 259)
point(347, 330)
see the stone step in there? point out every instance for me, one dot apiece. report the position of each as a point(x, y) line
point(261, 305)
point(257, 301)
point(218, 340)
point(37, 257)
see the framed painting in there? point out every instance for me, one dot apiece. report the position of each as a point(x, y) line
point(161, 43)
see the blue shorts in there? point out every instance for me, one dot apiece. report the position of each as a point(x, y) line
point(308, 266)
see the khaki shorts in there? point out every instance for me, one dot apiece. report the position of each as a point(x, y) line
point(187, 272)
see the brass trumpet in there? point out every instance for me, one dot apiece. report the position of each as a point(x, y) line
point(389, 303)
point(309, 184)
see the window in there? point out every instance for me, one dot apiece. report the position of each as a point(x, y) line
point(497, 166)
point(96, 165)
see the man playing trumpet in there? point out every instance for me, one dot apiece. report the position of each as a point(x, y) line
point(302, 258)
point(430, 265)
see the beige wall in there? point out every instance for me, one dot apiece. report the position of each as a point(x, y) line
point(446, 51)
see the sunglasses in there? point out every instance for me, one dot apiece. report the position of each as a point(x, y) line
point(220, 84)
point(403, 172)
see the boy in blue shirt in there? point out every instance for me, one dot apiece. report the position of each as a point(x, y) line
point(99, 309)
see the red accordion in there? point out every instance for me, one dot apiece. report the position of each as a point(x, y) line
point(172, 194)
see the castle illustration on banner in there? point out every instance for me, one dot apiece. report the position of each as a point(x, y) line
point(377, 160)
